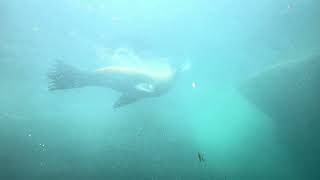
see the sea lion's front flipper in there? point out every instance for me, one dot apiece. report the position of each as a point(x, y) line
point(124, 100)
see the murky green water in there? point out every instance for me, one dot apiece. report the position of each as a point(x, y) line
point(77, 134)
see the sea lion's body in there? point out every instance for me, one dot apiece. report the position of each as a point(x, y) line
point(134, 83)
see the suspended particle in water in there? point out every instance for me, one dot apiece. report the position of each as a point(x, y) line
point(102, 36)
point(186, 67)
point(42, 145)
point(140, 131)
point(89, 8)
point(194, 85)
point(72, 34)
point(102, 6)
point(35, 29)
point(115, 18)
point(42, 164)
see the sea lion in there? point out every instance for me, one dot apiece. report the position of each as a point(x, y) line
point(134, 83)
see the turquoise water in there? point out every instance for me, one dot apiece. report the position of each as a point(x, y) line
point(76, 134)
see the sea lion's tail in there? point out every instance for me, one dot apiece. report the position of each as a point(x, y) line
point(64, 76)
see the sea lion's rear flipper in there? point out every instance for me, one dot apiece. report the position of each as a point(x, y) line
point(64, 76)
point(124, 99)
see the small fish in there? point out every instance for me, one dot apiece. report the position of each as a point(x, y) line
point(201, 157)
